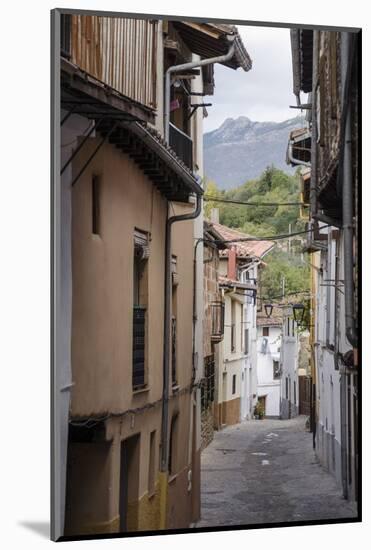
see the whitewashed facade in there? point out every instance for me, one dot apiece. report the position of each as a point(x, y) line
point(269, 341)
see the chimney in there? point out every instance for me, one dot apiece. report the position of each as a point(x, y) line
point(232, 255)
point(214, 215)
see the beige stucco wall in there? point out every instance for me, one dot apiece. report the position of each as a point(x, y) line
point(102, 284)
point(102, 341)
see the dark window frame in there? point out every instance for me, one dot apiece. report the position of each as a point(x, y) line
point(234, 384)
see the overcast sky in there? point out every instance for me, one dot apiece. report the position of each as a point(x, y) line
point(265, 92)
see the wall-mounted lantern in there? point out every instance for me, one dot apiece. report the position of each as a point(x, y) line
point(268, 309)
point(298, 311)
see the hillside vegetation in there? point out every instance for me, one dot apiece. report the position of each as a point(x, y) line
point(284, 268)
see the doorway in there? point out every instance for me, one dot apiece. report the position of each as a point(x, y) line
point(129, 482)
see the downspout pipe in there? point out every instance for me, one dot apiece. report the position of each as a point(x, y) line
point(313, 212)
point(346, 67)
point(187, 67)
point(294, 160)
point(347, 207)
point(167, 315)
point(313, 171)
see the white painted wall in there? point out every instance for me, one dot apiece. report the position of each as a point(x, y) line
point(249, 365)
point(267, 385)
point(289, 367)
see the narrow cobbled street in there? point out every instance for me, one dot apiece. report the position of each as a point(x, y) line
point(266, 471)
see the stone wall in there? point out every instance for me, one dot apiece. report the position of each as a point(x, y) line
point(207, 427)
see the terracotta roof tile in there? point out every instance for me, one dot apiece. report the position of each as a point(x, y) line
point(257, 249)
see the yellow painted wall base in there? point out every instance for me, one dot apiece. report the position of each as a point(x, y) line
point(163, 487)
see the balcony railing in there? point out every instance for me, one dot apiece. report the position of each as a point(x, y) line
point(182, 145)
point(139, 330)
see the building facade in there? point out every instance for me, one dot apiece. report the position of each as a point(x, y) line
point(129, 394)
point(325, 65)
point(269, 365)
point(289, 407)
point(237, 368)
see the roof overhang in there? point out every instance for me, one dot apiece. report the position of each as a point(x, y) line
point(85, 95)
point(210, 40)
point(232, 284)
point(212, 237)
point(302, 60)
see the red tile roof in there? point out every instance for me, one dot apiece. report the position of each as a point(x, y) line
point(245, 249)
point(274, 320)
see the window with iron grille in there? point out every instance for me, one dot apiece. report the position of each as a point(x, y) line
point(217, 321)
point(140, 300)
point(208, 383)
point(139, 320)
point(234, 384)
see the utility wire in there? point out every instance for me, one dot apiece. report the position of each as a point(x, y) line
point(270, 238)
point(308, 292)
point(243, 203)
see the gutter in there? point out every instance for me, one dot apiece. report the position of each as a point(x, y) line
point(167, 318)
point(186, 67)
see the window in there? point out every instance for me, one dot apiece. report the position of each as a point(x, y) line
point(140, 299)
point(95, 202)
point(173, 444)
point(242, 325)
point(208, 383)
point(288, 327)
point(287, 388)
point(217, 321)
point(276, 370)
point(233, 384)
point(292, 327)
point(265, 331)
point(246, 350)
point(233, 327)
point(151, 462)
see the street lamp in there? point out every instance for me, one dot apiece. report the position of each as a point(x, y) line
point(298, 311)
point(268, 309)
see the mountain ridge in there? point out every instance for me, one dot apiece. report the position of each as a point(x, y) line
point(240, 149)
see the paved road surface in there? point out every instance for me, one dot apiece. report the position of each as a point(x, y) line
point(264, 471)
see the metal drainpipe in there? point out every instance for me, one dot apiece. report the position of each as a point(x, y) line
point(347, 232)
point(186, 67)
point(313, 172)
point(346, 65)
point(167, 312)
point(294, 160)
point(313, 211)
